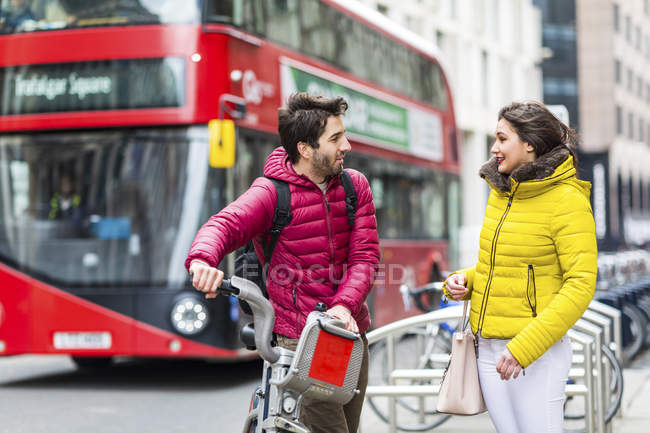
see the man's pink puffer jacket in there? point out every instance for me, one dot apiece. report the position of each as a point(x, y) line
point(318, 257)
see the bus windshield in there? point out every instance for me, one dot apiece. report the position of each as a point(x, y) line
point(103, 207)
point(36, 15)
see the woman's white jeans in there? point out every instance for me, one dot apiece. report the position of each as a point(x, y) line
point(533, 403)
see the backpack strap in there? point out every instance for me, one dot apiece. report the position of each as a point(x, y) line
point(281, 218)
point(350, 196)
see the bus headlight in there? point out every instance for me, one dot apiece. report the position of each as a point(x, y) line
point(189, 315)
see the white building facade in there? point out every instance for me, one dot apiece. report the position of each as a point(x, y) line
point(492, 52)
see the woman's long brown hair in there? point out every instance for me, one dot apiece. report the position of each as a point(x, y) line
point(537, 126)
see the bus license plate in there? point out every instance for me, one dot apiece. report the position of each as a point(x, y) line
point(82, 340)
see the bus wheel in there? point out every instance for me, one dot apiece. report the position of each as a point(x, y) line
point(92, 362)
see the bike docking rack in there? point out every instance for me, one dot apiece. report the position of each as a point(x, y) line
point(632, 300)
point(410, 391)
point(592, 372)
point(611, 380)
point(428, 379)
point(616, 336)
point(585, 389)
point(599, 371)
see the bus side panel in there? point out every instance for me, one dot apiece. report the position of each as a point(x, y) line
point(33, 312)
point(404, 262)
point(55, 311)
point(15, 312)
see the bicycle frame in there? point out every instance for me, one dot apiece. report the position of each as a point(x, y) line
point(325, 365)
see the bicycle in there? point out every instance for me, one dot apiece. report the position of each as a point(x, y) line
point(428, 349)
point(634, 323)
point(325, 365)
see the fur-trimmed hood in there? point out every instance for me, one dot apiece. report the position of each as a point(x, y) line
point(542, 167)
point(533, 177)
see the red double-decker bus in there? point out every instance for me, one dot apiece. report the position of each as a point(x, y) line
point(104, 150)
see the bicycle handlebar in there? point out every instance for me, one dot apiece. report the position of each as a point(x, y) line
point(263, 313)
point(435, 286)
point(417, 293)
point(228, 289)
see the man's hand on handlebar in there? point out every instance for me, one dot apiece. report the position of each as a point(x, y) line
point(457, 286)
point(205, 278)
point(343, 314)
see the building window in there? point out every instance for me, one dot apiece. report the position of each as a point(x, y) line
point(630, 126)
point(617, 69)
point(560, 86)
point(628, 29)
point(639, 87)
point(617, 25)
point(638, 37)
point(619, 120)
point(647, 93)
point(641, 129)
point(630, 80)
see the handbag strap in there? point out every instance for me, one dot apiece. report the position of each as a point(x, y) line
point(465, 320)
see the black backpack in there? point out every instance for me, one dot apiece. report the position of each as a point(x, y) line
point(247, 264)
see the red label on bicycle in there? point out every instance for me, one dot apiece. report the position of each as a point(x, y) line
point(331, 358)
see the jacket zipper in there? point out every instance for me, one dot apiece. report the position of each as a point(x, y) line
point(532, 301)
point(295, 304)
point(329, 228)
point(481, 317)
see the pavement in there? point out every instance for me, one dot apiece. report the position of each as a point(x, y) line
point(634, 416)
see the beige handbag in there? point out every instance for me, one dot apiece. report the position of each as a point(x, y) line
point(460, 390)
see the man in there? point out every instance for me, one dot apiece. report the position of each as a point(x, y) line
point(16, 15)
point(318, 256)
point(66, 203)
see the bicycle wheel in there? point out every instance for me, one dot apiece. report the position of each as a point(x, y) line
point(574, 410)
point(644, 306)
point(634, 331)
point(615, 384)
point(420, 348)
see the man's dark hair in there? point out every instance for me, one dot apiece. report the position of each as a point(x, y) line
point(304, 118)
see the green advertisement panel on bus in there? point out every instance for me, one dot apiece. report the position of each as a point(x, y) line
point(409, 129)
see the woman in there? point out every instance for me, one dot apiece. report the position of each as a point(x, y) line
point(536, 271)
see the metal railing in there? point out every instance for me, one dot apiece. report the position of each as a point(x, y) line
point(590, 377)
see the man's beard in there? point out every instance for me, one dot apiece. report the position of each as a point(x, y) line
point(323, 166)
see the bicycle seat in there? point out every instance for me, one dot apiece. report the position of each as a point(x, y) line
point(327, 361)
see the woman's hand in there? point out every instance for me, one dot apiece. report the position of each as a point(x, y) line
point(456, 286)
point(508, 365)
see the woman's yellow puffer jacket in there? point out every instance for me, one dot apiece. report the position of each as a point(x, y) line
point(537, 264)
